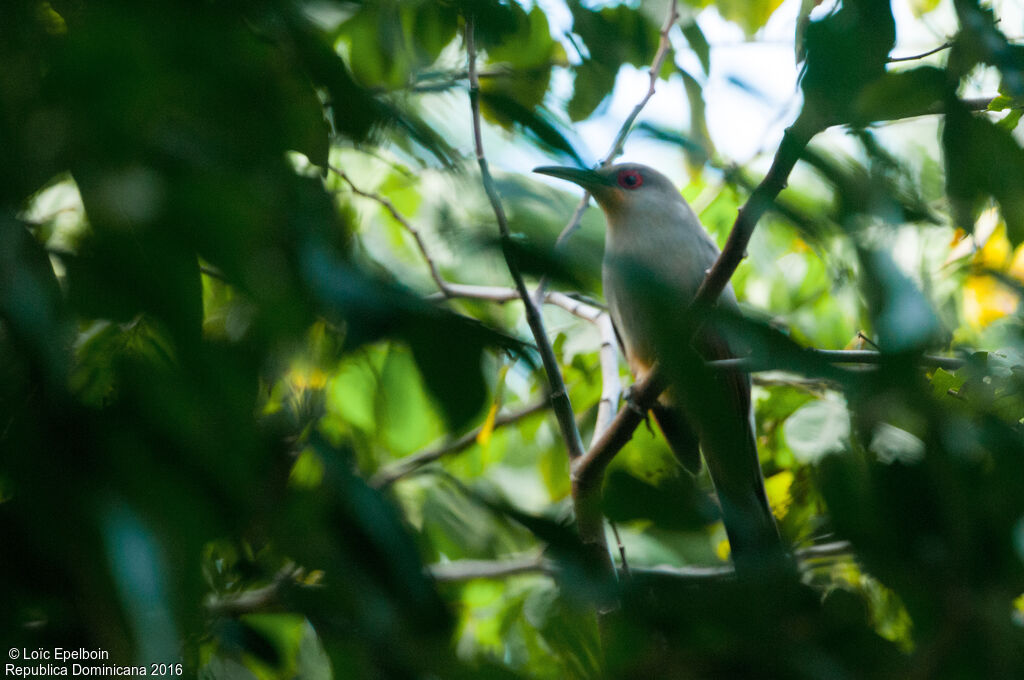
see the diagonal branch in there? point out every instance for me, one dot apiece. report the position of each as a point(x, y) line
point(556, 385)
point(392, 473)
point(922, 55)
point(837, 356)
point(792, 146)
point(627, 125)
point(468, 569)
point(435, 273)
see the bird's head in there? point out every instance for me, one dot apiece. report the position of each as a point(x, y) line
point(620, 190)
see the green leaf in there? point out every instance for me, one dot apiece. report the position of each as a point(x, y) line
point(903, 316)
point(594, 81)
point(699, 132)
point(699, 44)
point(671, 502)
point(536, 122)
point(818, 429)
point(901, 95)
point(981, 41)
point(613, 36)
point(973, 146)
point(750, 15)
point(845, 51)
point(432, 26)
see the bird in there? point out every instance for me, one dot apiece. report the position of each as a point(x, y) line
point(656, 255)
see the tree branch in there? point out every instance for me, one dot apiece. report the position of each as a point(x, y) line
point(627, 125)
point(611, 384)
point(587, 472)
point(793, 143)
point(391, 473)
point(467, 570)
point(914, 57)
point(837, 356)
point(435, 273)
point(556, 385)
point(254, 599)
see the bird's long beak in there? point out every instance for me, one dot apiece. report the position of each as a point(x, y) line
point(588, 179)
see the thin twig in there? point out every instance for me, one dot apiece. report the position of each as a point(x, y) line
point(837, 356)
point(458, 571)
point(395, 471)
point(556, 385)
point(664, 44)
point(255, 599)
point(468, 570)
point(622, 549)
point(406, 224)
point(653, 74)
point(914, 57)
point(611, 384)
point(793, 143)
point(832, 550)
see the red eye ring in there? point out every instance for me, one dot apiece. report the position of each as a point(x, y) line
point(630, 179)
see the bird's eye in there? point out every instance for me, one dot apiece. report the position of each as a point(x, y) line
point(630, 179)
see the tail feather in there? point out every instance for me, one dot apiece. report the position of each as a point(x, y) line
point(730, 452)
point(679, 434)
point(746, 513)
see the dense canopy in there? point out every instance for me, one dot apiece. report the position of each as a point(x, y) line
point(273, 405)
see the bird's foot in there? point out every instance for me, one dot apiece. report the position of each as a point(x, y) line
point(632, 405)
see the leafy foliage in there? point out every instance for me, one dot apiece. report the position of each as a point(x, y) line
point(239, 377)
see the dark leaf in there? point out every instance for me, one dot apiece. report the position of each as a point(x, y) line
point(536, 122)
point(699, 44)
point(973, 146)
point(901, 95)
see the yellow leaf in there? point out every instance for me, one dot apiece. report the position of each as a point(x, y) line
point(317, 379)
point(1017, 264)
point(986, 300)
point(996, 252)
point(777, 487)
point(487, 429)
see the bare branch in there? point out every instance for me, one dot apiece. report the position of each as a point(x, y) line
point(793, 143)
point(587, 472)
point(838, 356)
point(611, 384)
point(627, 125)
point(587, 496)
point(579, 308)
point(835, 549)
point(395, 471)
point(468, 570)
point(255, 599)
point(653, 72)
point(406, 224)
point(556, 385)
point(914, 57)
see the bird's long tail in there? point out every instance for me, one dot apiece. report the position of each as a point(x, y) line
point(736, 473)
point(719, 410)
